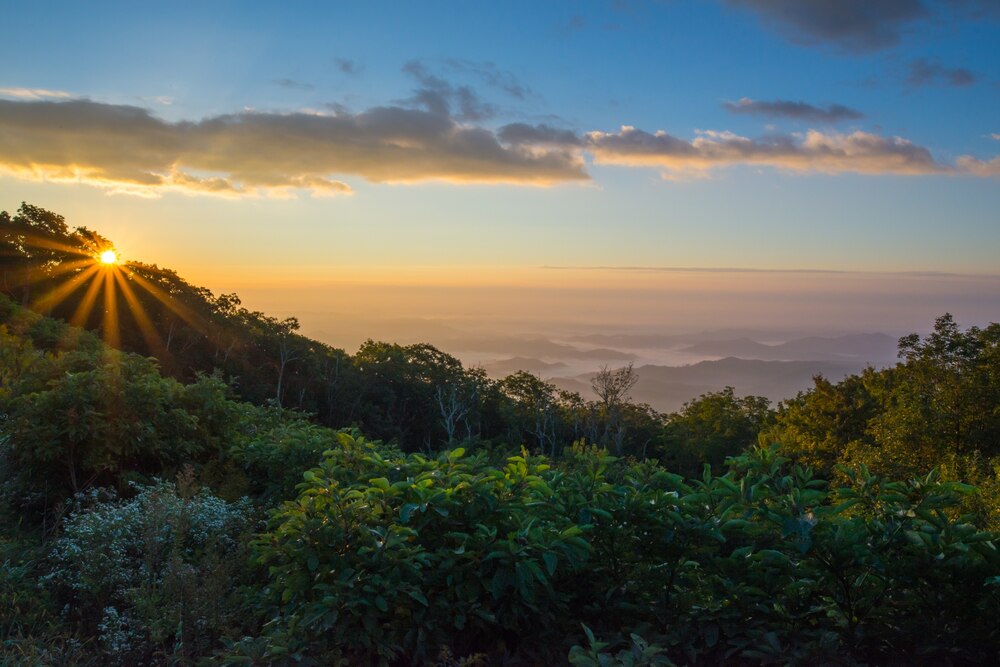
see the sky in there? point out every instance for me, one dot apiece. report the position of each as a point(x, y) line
point(694, 162)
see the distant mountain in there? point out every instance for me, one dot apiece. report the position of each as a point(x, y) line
point(527, 347)
point(650, 340)
point(667, 388)
point(505, 367)
point(865, 348)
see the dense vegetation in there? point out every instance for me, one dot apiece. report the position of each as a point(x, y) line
point(195, 488)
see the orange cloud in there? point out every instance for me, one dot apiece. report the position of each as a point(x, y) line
point(976, 167)
point(33, 93)
point(814, 151)
point(127, 149)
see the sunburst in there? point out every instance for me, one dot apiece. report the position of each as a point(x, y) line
point(93, 265)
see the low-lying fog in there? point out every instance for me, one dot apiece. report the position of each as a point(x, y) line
point(686, 331)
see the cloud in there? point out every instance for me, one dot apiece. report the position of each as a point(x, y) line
point(924, 72)
point(995, 136)
point(347, 66)
point(795, 110)
point(127, 149)
point(539, 135)
point(814, 151)
point(162, 100)
point(34, 93)
point(292, 84)
point(977, 167)
point(440, 97)
point(492, 76)
point(852, 25)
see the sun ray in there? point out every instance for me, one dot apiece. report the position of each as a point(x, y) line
point(58, 294)
point(32, 275)
point(82, 312)
point(72, 265)
point(173, 304)
point(112, 334)
point(39, 241)
point(146, 328)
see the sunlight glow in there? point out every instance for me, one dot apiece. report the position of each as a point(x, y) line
point(112, 289)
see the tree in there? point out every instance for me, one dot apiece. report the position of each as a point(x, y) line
point(613, 388)
point(941, 401)
point(454, 406)
point(819, 425)
point(284, 331)
point(533, 409)
point(712, 428)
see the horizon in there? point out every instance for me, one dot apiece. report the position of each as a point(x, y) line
point(595, 167)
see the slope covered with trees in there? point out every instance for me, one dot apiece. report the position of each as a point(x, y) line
point(414, 395)
point(171, 492)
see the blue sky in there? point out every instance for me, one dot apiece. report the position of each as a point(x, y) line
point(834, 134)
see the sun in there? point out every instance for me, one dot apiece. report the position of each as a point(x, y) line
point(108, 257)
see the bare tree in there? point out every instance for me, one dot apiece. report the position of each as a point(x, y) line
point(287, 352)
point(613, 388)
point(453, 408)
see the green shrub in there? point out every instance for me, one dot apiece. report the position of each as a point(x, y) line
point(276, 452)
point(381, 558)
point(384, 560)
point(156, 577)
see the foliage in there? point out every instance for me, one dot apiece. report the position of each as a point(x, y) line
point(757, 565)
point(26, 609)
point(156, 576)
point(712, 428)
point(936, 408)
point(387, 557)
point(597, 654)
point(80, 419)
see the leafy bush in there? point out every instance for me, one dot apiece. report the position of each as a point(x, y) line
point(381, 558)
point(156, 576)
point(763, 564)
point(277, 450)
point(760, 565)
point(639, 653)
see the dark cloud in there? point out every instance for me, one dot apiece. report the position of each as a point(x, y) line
point(834, 113)
point(292, 84)
point(924, 72)
point(491, 75)
point(539, 135)
point(852, 25)
point(347, 66)
point(443, 98)
point(576, 22)
point(125, 148)
point(814, 151)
